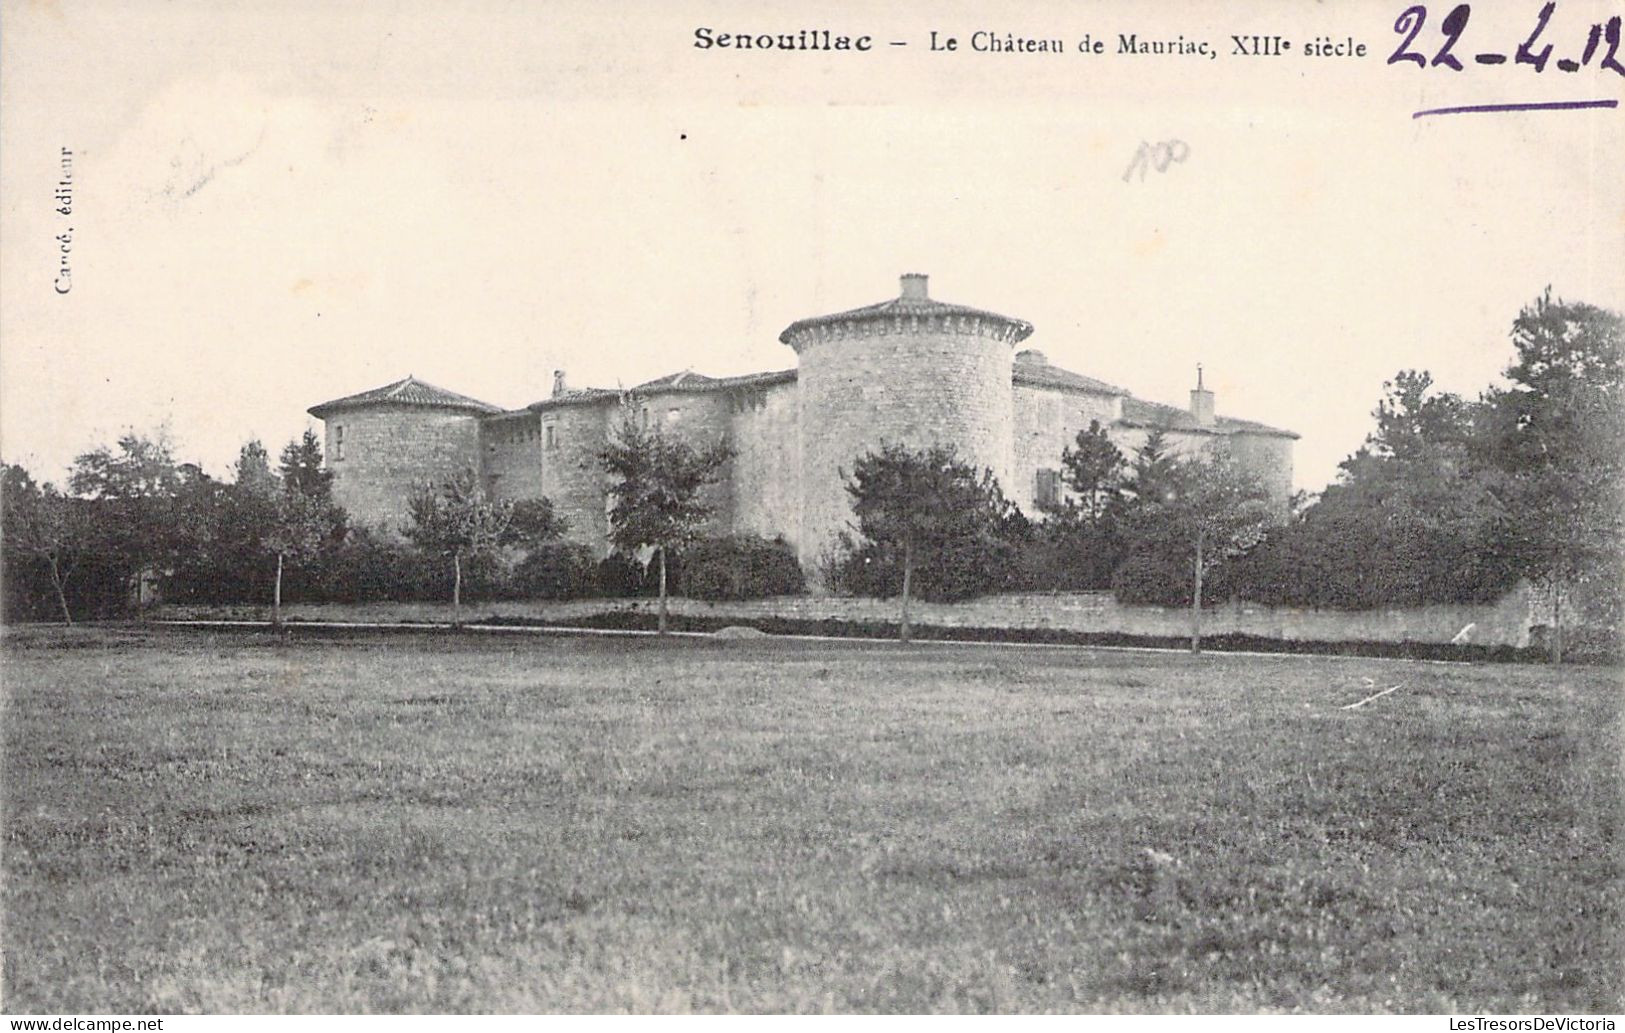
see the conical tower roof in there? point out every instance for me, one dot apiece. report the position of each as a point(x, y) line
point(410, 392)
point(912, 305)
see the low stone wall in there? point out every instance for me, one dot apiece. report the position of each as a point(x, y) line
point(1503, 623)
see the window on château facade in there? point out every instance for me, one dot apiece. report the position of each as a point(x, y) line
point(338, 442)
point(551, 437)
point(1047, 488)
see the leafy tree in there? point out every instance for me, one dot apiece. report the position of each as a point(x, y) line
point(1093, 469)
point(1152, 467)
point(740, 567)
point(658, 493)
point(1412, 519)
point(47, 525)
point(556, 570)
point(1196, 512)
point(534, 521)
point(136, 486)
point(301, 466)
point(1439, 529)
point(928, 510)
point(1080, 543)
point(138, 467)
point(1557, 439)
point(210, 543)
point(253, 468)
point(299, 526)
point(261, 515)
point(458, 520)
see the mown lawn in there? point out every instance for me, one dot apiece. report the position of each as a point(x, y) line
point(401, 822)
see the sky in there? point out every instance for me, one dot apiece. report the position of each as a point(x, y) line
point(279, 203)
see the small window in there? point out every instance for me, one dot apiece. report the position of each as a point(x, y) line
point(1047, 488)
point(672, 415)
point(552, 438)
point(645, 417)
point(338, 441)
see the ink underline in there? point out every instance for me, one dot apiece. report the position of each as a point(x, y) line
point(1553, 105)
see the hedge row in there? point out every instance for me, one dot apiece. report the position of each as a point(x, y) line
point(367, 568)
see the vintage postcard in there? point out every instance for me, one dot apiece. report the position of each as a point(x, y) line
point(782, 508)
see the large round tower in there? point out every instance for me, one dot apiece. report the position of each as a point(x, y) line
point(909, 371)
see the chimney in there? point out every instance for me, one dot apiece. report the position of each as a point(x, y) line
point(914, 286)
point(558, 384)
point(1201, 402)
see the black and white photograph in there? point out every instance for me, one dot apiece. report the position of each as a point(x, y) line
point(669, 508)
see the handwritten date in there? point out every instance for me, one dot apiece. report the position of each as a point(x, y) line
point(1530, 52)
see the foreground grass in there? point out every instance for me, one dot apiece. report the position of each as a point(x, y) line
point(199, 822)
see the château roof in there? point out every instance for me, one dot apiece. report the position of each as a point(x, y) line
point(1030, 368)
point(912, 303)
point(1033, 369)
point(684, 381)
point(410, 392)
point(1156, 416)
point(688, 380)
point(576, 395)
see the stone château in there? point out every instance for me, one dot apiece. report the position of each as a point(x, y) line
point(910, 370)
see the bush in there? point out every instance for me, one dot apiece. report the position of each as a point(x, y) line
point(741, 567)
point(1337, 559)
point(556, 570)
point(366, 567)
point(618, 576)
point(1149, 579)
point(854, 568)
point(369, 567)
point(1063, 556)
point(98, 588)
point(950, 571)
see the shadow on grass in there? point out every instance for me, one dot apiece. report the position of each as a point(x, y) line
point(885, 630)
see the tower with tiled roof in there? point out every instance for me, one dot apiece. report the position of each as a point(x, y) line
point(912, 371)
point(383, 443)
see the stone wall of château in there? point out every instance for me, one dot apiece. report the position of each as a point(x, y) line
point(1047, 422)
point(765, 479)
point(572, 478)
point(700, 420)
point(1268, 458)
point(511, 447)
point(914, 373)
point(915, 387)
point(379, 455)
point(1130, 440)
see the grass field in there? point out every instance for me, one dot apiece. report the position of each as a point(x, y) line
point(209, 822)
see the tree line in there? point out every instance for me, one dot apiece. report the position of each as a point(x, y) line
point(1449, 499)
point(133, 519)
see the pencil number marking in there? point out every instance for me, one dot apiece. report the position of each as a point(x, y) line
point(1156, 158)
